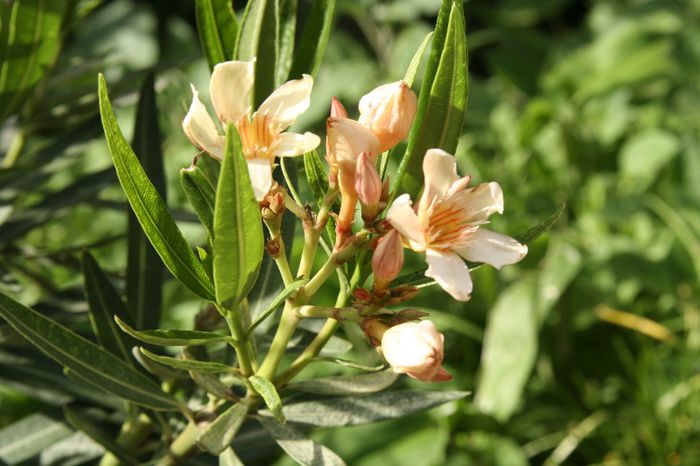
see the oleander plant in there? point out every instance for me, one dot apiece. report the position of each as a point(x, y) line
point(274, 232)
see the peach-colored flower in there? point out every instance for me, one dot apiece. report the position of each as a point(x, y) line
point(387, 259)
point(447, 225)
point(368, 185)
point(262, 133)
point(416, 349)
point(389, 111)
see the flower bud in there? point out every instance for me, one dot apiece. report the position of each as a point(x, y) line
point(337, 109)
point(415, 349)
point(389, 111)
point(387, 259)
point(368, 185)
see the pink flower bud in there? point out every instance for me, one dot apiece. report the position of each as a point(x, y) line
point(337, 109)
point(368, 185)
point(387, 259)
point(389, 111)
point(416, 349)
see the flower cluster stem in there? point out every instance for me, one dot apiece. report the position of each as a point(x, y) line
point(182, 447)
point(243, 346)
point(284, 333)
point(132, 435)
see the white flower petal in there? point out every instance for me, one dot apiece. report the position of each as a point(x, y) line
point(347, 139)
point(440, 171)
point(288, 101)
point(260, 171)
point(201, 130)
point(230, 90)
point(405, 348)
point(492, 248)
point(450, 272)
point(292, 144)
point(483, 200)
point(404, 219)
point(374, 98)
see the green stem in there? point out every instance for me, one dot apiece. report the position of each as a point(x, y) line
point(132, 435)
point(242, 346)
point(337, 313)
point(312, 233)
point(14, 150)
point(182, 447)
point(284, 333)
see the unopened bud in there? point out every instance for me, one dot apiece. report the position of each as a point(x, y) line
point(368, 186)
point(389, 111)
point(337, 109)
point(415, 349)
point(387, 259)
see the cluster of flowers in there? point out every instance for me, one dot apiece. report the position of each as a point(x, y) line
point(446, 224)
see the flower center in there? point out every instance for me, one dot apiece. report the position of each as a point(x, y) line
point(257, 136)
point(450, 223)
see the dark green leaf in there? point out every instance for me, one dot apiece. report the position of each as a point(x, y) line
point(442, 100)
point(218, 435)
point(257, 39)
point(173, 337)
point(105, 305)
point(268, 392)
point(90, 362)
point(355, 410)
point(238, 235)
point(229, 458)
point(535, 232)
point(83, 423)
point(149, 207)
point(211, 383)
point(279, 299)
point(144, 270)
point(30, 39)
point(287, 28)
point(217, 26)
point(28, 437)
point(202, 195)
point(188, 364)
point(347, 384)
point(300, 448)
point(314, 39)
point(316, 175)
point(416, 60)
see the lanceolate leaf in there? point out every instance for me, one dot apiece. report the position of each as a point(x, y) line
point(268, 392)
point(188, 364)
point(27, 437)
point(105, 305)
point(218, 435)
point(316, 175)
point(90, 362)
point(202, 195)
point(258, 39)
point(302, 449)
point(287, 28)
point(535, 232)
point(173, 337)
point(314, 39)
point(144, 270)
point(238, 236)
point(355, 410)
point(442, 101)
point(347, 384)
point(149, 207)
point(217, 26)
point(83, 423)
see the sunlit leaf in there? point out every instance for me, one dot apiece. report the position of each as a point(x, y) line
point(217, 26)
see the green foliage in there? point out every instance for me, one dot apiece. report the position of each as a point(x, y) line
point(217, 26)
point(219, 434)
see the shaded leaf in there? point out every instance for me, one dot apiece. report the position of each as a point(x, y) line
point(217, 26)
point(202, 195)
point(90, 362)
point(86, 425)
point(347, 384)
point(312, 45)
point(300, 448)
point(173, 337)
point(188, 364)
point(28, 437)
point(218, 435)
point(279, 299)
point(535, 232)
point(268, 392)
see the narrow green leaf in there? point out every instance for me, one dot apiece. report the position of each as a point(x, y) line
point(105, 305)
point(149, 207)
point(188, 364)
point(83, 423)
point(173, 337)
point(218, 435)
point(300, 448)
point(314, 39)
point(211, 383)
point(217, 26)
point(229, 458)
point(238, 235)
point(285, 41)
point(279, 299)
point(258, 39)
point(268, 392)
point(356, 410)
point(28, 437)
point(202, 195)
point(316, 175)
point(442, 100)
point(413, 66)
point(347, 384)
point(535, 232)
point(144, 269)
point(161, 371)
point(90, 362)
point(30, 40)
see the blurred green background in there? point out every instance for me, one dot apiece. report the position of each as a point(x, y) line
point(585, 353)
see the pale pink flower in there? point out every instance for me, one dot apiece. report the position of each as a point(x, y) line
point(416, 349)
point(447, 225)
point(389, 111)
point(262, 133)
point(387, 259)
